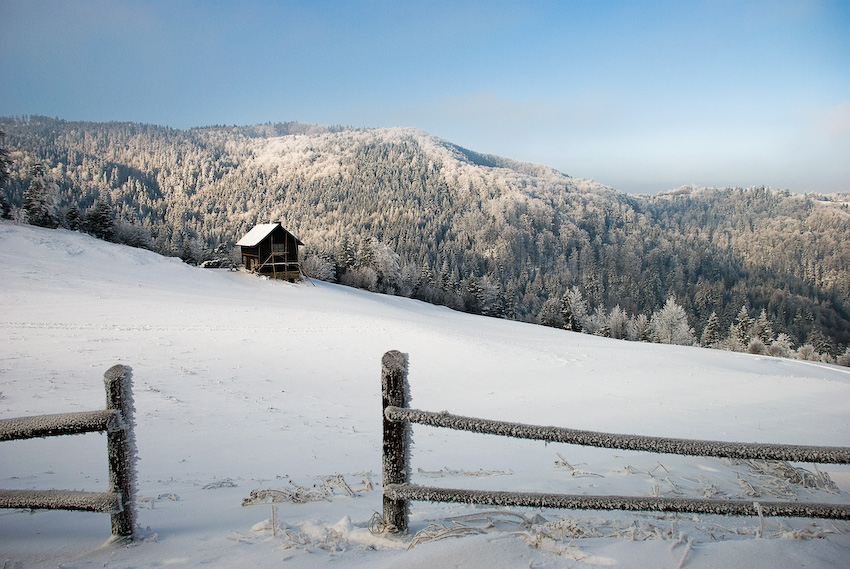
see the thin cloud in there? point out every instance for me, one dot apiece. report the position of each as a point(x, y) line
point(834, 122)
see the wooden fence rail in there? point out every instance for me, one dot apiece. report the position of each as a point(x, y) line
point(117, 421)
point(398, 491)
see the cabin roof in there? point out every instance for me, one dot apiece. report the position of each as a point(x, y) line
point(260, 232)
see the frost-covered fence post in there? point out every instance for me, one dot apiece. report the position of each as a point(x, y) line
point(396, 449)
point(398, 492)
point(121, 447)
point(117, 421)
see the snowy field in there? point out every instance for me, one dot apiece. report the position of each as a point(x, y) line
point(247, 388)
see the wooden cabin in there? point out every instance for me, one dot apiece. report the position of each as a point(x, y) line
point(270, 250)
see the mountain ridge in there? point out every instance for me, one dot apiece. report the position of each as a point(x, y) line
point(474, 231)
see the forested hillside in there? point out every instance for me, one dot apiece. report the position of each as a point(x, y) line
point(399, 211)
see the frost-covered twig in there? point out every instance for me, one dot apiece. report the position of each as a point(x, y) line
point(687, 551)
point(435, 532)
point(298, 494)
point(226, 483)
point(337, 481)
point(445, 471)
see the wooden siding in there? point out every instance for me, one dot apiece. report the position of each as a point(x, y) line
point(275, 256)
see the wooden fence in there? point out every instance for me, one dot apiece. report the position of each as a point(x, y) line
point(117, 421)
point(398, 491)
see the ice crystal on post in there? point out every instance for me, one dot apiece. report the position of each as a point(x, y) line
point(396, 452)
point(122, 447)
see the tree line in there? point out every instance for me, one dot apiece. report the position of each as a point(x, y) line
point(399, 211)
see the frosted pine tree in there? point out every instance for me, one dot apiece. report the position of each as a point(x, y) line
point(781, 347)
point(762, 328)
point(596, 323)
point(711, 332)
point(574, 310)
point(99, 220)
point(72, 218)
point(670, 325)
point(618, 322)
point(637, 330)
point(844, 359)
point(740, 332)
point(5, 206)
point(40, 199)
point(550, 314)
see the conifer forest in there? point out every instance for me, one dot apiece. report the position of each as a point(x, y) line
point(401, 212)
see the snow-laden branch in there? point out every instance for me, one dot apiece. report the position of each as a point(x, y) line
point(634, 503)
point(690, 447)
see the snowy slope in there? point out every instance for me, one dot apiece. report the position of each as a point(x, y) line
point(244, 384)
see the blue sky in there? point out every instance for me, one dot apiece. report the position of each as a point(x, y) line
point(642, 96)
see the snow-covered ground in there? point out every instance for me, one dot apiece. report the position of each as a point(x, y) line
point(244, 385)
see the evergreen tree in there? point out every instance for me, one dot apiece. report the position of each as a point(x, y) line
point(99, 220)
point(472, 295)
point(5, 206)
point(740, 332)
point(844, 359)
point(596, 323)
point(670, 325)
point(5, 163)
point(638, 329)
point(711, 332)
point(820, 342)
point(550, 314)
point(72, 218)
point(365, 255)
point(345, 254)
point(762, 329)
point(40, 199)
point(618, 322)
point(781, 347)
point(490, 298)
point(573, 310)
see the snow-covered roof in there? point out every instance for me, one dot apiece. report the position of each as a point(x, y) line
point(258, 233)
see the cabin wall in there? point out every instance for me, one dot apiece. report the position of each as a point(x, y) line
point(277, 256)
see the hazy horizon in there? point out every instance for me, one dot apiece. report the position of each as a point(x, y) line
point(641, 96)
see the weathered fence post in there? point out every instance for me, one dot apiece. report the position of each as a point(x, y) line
point(121, 446)
point(396, 450)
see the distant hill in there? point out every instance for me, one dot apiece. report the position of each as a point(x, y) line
point(398, 210)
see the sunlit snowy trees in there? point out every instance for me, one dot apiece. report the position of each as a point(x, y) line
point(669, 325)
point(399, 211)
